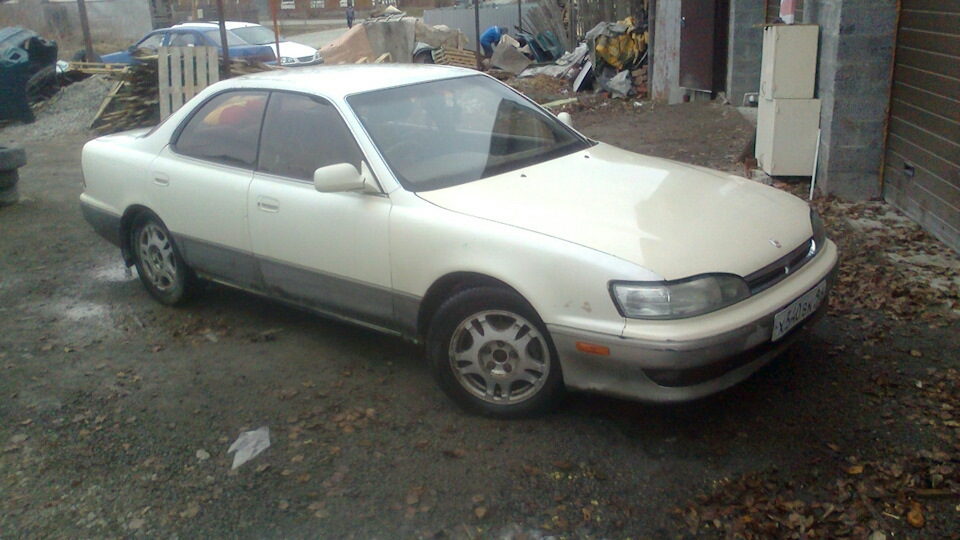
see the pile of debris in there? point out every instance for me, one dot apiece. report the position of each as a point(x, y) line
point(134, 100)
point(612, 58)
point(397, 37)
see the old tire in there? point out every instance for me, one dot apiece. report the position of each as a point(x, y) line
point(9, 193)
point(12, 158)
point(162, 270)
point(492, 355)
point(42, 85)
point(423, 57)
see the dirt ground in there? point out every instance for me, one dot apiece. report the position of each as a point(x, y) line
point(117, 413)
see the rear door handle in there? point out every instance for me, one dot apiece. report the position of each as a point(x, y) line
point(268, 204)
point(161, 179)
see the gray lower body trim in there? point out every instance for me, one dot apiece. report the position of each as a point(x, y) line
point(222, 263)
point(345, 299)
point(348, 298)
point(104, 223)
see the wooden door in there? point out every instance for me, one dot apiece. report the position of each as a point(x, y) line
point(696, 44)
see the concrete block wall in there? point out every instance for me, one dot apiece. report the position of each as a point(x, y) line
point(745, 48)
point(665, 80)
point(857, 40)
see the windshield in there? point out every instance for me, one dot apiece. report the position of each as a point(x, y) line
point(443, 133)
point(232, 39)
point(257, 35)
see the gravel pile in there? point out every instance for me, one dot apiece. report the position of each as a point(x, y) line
point(70, 111)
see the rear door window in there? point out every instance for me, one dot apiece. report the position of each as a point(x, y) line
point(225, 129)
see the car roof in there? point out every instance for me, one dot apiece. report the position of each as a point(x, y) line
point(194, 26)
point(199, 25)
point(339, 81)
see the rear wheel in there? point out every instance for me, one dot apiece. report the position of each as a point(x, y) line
point(492, 355)
point(162, 271)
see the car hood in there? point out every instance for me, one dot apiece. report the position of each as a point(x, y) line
point(673, 219)
point(291, 49)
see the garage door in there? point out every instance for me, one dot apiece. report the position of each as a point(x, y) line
point(922, 166)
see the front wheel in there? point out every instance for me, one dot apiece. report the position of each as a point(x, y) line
point(492, 355)
point(162, 271)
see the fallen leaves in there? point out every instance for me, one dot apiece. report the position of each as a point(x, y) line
point(191, 511)
point(889, 263)
point(864, 498)
point(915, 515)
point(455, 453)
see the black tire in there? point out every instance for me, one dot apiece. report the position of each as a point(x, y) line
point(9, 192)
point(42, 85)
point(12, 158)
point(513, 376)
point(162, 270)
point(423, 57)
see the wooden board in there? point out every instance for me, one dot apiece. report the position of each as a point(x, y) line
point(455, 57)
point(95, 67)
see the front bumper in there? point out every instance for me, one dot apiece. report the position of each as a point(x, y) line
point(677, 370)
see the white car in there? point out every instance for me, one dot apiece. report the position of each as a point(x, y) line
point(437, 204)
point(290, 54)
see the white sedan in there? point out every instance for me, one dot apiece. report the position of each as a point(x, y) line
point(289, 53)
point(437, 204)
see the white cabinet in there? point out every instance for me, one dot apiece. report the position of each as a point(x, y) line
point(787, 136)
point(789, 66)
point(788, 117)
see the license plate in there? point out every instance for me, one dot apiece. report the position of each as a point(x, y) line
point(799, 310)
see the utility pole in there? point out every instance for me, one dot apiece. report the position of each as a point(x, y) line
point(85, 26)
point(276, 27)
point(223, 41)
point(476, 22)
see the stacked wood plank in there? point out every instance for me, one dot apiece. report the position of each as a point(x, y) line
point(455, 57)
point(135, 99)
point(548, 16)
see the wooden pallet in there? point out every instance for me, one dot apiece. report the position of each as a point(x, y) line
point(455, 57)
point(95, 67)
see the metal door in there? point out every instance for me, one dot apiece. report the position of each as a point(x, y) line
point(696, 44)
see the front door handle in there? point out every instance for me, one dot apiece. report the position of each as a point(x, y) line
point(268, 204)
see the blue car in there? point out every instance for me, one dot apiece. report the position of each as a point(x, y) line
point(194, 35)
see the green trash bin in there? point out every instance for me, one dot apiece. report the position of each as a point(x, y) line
point(14, 74)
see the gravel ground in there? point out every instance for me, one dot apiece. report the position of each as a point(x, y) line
point(69, 112)
point(118, 412)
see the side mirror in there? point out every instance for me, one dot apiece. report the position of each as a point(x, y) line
point(343, 177)
point(566, 119)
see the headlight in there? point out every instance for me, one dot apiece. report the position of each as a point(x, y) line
point(678, 299)
point(819, 233)
point(286, 60)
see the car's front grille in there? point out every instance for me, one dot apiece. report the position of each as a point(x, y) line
point(305, 58)
point(777, 271)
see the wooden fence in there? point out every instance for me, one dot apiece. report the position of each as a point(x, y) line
point(183, 73)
